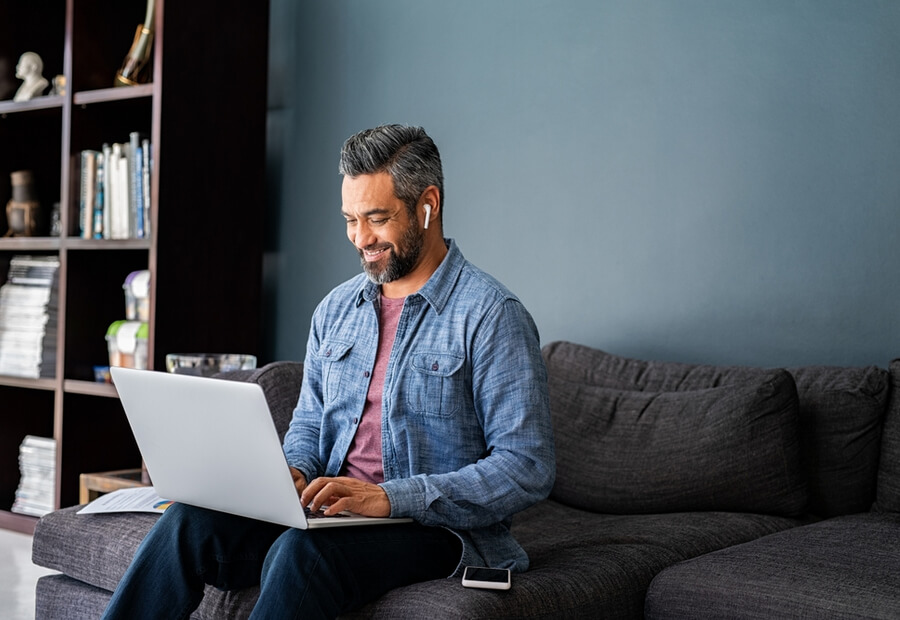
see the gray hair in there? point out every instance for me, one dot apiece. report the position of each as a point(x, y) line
point(406, 153)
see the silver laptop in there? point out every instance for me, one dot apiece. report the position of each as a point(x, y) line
point(212, 443)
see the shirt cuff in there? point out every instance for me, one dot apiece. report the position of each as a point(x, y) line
point(406, 497)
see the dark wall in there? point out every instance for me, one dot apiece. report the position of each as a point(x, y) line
point(700, 180)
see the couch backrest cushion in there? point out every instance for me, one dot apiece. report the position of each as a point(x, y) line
point(841, 414)
point(888, 494)
point(280, 382)
point(643, 437)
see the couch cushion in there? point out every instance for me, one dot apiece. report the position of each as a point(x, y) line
point(841, 412)
point(731, 446)
point(888, 488)
point(59, 597)
point(582, 364)
point(844, 567)
point(583, 565)
point(95, 549)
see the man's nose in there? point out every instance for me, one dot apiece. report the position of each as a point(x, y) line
point(363, 235)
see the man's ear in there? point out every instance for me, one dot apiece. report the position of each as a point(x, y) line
point(432, 197)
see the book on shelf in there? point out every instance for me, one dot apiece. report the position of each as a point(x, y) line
point(35, 495)
point(29, 317)
point(114, 190)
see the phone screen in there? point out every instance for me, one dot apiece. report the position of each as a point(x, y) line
point(490, 575)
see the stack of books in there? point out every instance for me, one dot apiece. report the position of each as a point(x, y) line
point(29, 311)
point(114, 191)
point(37, 464)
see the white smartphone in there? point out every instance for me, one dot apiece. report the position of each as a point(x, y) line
point(489, 578)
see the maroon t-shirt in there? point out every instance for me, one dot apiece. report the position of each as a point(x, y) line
point(364, 460)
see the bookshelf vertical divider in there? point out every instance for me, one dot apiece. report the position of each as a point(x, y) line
point(204, 112)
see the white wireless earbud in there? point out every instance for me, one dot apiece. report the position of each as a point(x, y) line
point(427, 215)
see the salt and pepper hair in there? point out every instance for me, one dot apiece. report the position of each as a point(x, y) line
point(406, 153)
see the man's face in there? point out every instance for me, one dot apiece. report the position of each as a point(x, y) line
point(388, 240)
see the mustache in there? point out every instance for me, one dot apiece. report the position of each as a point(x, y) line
point(376, 247)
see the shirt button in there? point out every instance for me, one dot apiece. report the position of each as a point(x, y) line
point(434, 366)
point(328, 353)
point(366, 374)
point(355, 420)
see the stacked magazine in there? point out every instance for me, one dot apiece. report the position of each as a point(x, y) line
point(37, 463)
point(28, 317)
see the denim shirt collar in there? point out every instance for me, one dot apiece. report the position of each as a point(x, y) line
point(437, 289)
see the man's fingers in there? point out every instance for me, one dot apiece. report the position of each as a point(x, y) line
point(346, 494)
point(321, 492)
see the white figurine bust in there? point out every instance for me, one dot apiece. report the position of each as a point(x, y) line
point(29, 69)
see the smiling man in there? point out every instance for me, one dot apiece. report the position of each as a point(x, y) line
point(389, 236)
point(424, 396)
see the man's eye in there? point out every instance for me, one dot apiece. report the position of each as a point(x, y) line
point(379, 222)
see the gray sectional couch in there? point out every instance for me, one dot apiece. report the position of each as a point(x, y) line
point(683, 491)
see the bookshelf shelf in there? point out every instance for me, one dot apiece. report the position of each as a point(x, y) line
point(16, 522)
point(90, 388)
point(103, 95)
point(41, 103)
point(74, 243)
point(29, 244)
point(32, 384)
point(205, 249)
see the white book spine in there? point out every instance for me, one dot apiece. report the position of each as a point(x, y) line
point(107, 194)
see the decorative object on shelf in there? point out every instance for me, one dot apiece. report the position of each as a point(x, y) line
point(55, 225)
point(59, 86)
point(127, 344)
point(137, 295)
point(132, 72)
point(23, 211)
point(101, 374)
point(29, 69)
point(208, 364)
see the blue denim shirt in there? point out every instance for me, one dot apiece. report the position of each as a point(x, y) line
point(465, 430)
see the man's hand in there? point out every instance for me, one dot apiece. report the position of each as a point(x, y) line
point(299, 480)
point(344, 493)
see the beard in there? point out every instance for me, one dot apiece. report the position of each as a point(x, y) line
point(401, 259)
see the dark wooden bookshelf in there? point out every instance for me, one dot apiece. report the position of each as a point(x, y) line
point(204, 110)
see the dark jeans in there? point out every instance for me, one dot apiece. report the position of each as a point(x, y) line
point(302, 574)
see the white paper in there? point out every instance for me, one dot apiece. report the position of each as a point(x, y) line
point(136, 499)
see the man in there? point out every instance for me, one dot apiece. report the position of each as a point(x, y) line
point(424, 395)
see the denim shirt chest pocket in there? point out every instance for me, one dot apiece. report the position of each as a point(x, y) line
point(334, 356)
point(436, 383)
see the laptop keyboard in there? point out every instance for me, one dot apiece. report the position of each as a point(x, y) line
point(320, 514)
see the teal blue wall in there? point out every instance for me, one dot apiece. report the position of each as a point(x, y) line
point(696, 180)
